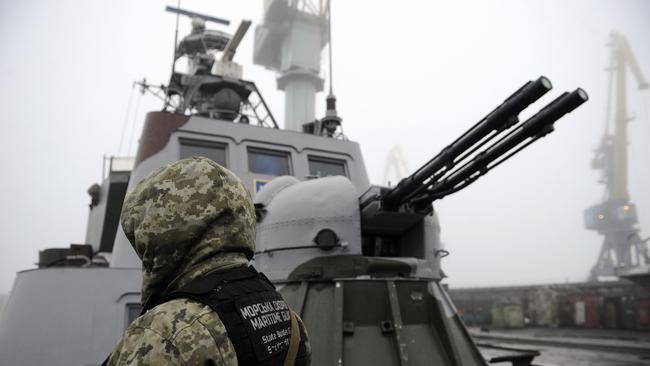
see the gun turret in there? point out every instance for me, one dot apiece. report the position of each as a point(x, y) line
point(395, 210)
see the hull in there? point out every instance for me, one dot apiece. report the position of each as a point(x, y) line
point(67, 316)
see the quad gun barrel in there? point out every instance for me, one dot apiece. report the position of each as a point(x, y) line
point(463, 162)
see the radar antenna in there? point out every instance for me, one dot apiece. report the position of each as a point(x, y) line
point(191, 14)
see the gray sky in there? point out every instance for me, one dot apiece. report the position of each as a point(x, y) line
point(413, 73)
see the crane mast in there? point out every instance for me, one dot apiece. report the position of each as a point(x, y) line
point(615, 218)
point(289, 41)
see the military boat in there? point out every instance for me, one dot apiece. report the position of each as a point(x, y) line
point(359, 263)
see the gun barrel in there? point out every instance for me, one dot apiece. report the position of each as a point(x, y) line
point(501, 118)
point(535, 127)
point(231, 47)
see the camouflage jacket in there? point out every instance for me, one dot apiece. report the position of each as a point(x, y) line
point(185, 220)
point(178, 332)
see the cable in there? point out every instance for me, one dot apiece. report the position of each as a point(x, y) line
point(135, 120)
point(178, 6)
point(322, 247)
point(647, 113)
point(126, 119)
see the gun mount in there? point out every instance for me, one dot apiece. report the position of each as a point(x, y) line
point(333, 252)
point(395, 210)
point(212, 85)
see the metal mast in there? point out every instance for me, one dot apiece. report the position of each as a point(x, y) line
point(289, 42)
point(615, 218)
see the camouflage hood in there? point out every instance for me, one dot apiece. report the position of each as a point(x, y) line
point(187, 219)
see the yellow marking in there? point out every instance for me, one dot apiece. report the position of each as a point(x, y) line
point(259, 183)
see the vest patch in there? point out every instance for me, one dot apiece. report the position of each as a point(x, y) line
point(267, 320)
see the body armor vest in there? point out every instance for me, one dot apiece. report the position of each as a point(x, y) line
point(256, 317)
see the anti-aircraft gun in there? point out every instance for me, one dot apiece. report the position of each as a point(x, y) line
point(394, 210)
point(364, 272)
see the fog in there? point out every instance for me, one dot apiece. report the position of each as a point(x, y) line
point(412, 73)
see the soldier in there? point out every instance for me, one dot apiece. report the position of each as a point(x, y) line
point(193, 225)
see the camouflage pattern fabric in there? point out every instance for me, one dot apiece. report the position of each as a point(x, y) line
point(178, 332)
point(184, 220)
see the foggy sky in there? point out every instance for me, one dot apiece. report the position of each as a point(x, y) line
point(412, 73)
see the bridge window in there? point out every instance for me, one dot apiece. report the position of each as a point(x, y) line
point(132, 312)
point(323, 167)
point(209, 149)
point(269, 162)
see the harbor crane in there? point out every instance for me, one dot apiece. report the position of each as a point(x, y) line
point(623, 252)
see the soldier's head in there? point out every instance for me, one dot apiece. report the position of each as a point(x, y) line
point(187, 217)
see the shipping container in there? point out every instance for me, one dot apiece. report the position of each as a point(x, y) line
point(629, 312)
point(544, 307)
point(586, 310)
point(497, 317)
point(477, 319)
point(611, 312)
point(513, 316)
point(565, 312)
point(507, 316)
point(642, 310)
